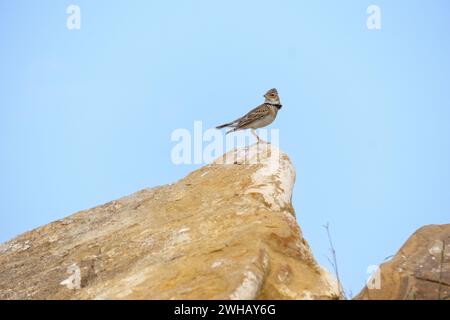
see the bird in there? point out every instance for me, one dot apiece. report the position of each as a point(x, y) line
point(259, 117)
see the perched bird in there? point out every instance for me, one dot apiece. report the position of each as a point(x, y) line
point(261, 116)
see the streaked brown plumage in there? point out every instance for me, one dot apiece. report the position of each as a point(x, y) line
point(259, 117)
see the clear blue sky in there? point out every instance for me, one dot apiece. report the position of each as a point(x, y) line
point(86, 115)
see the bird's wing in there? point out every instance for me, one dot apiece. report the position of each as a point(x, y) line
point(255, 114)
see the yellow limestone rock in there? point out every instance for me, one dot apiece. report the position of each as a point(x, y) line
point(419, 271)
point(226, 231)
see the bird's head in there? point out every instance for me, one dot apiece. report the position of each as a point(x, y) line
point(272, 97)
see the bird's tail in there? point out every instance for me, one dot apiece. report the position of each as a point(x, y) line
point(229, 131)
point(224, 125)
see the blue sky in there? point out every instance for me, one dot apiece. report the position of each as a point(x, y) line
point(86, 115)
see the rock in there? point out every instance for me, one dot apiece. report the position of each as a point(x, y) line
point(226, 231)
point(419, 270)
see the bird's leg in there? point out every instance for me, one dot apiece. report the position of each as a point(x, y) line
point(257, 137)
point(254, 133)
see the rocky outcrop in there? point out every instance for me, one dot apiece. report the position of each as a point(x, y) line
point(419, 270)
point(226, 231)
